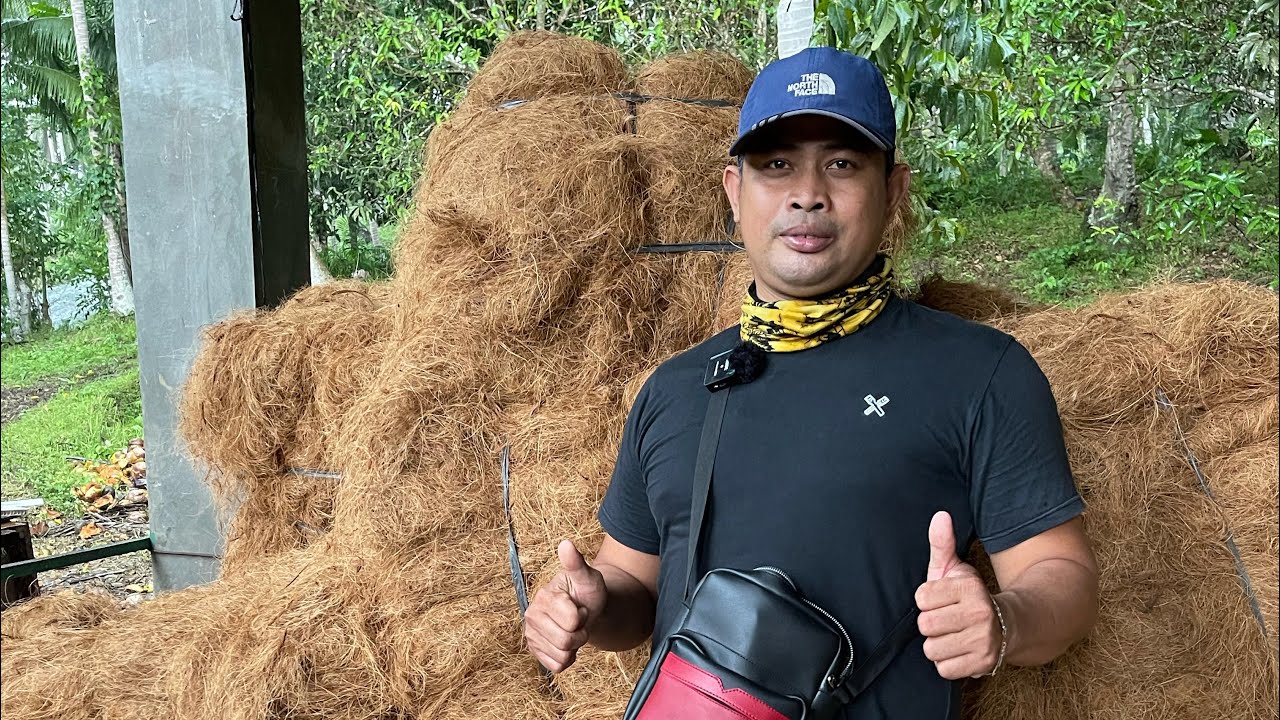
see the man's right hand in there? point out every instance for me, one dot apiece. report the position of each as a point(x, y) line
point(556, 623)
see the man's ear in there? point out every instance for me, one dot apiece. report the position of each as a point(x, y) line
point(732, 184)
point(899, 190)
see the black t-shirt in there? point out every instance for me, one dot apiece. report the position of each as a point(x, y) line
point(831, 465)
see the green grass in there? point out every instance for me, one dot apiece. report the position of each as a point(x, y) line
point(105, 342)
point(91, 421)
point(1043, 251)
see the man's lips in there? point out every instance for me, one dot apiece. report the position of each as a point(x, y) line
point(806, 238)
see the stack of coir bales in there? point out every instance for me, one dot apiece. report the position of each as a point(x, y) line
point(521, 315)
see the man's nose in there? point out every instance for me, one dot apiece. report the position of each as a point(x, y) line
point(810, 193)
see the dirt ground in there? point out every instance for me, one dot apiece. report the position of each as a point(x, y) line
point(127, 578)
point(17, 400)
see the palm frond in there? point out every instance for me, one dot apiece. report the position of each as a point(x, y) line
point(14, 9)
point(60, 119)
point(102, 37)
point(47, 41)
point(46, 84)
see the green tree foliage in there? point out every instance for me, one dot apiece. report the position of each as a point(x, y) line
point(946, 62)
point(378, 77)
point(43, 89)
point(25, 174)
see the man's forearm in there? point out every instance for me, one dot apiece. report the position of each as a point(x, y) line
point(1053, 604)
point(628, 614)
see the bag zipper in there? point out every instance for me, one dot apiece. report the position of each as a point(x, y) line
point(847, 640)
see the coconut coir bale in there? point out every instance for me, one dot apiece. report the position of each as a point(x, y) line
point(262, 405)
point(531, 65)
point(405, 609)
point(690, 143)
point(521, 167)
point(270, 381)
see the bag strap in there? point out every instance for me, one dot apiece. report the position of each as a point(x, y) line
point(895, 642)
point(707, 446)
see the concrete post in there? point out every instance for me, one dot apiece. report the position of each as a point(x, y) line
point(197, 169)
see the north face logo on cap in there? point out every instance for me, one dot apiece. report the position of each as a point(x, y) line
point(813, 84)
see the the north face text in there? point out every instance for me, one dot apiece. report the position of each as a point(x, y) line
point(813, 84)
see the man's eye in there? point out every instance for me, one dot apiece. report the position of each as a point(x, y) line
point(776, 164)
point(841, 164)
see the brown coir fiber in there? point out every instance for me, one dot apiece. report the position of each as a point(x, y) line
point(1244, 485)
point(971, 301)
point(268, 381)
point(65, 610)
point(689, 144)
point(275, 516)
point(531, 65)
point(689, 151)
point(262, 404)
point(405, 608)
point(697, 75)
point(521, 168)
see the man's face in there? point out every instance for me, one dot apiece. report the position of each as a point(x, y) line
point(811, 207)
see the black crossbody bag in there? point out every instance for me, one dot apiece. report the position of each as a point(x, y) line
point(747, 644)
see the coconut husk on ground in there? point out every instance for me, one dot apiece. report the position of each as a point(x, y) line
point(522, 316)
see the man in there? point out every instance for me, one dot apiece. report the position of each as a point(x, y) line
point(880, 439)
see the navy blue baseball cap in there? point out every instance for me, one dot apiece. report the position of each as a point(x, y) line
point(821, 81)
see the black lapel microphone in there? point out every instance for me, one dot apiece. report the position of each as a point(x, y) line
point(739, 366)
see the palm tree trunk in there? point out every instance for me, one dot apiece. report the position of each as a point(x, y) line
point(45, 320)
point(122, 207)
point(119, 274)
point(18, 313)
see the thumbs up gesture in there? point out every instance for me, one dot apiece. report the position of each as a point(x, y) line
point(958, 617)
point(557, 621)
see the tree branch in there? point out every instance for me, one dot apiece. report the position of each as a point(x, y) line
point(500, 16)
point(467, 11)
point(1263, 98)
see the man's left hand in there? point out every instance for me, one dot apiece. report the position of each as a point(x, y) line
point(957, 615)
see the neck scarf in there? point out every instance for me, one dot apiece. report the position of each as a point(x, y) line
point(791, 325)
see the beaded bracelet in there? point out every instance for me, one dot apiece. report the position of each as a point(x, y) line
point(1004, 637)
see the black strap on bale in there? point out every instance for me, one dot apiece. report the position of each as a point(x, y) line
point(714, 246)
point(634, 99)
point(513, 550)
point(703, 102)
point(1162, 400)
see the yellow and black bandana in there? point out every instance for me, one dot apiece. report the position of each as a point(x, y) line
point(791, 325)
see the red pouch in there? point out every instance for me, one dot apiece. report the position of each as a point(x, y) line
point(684, 690)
